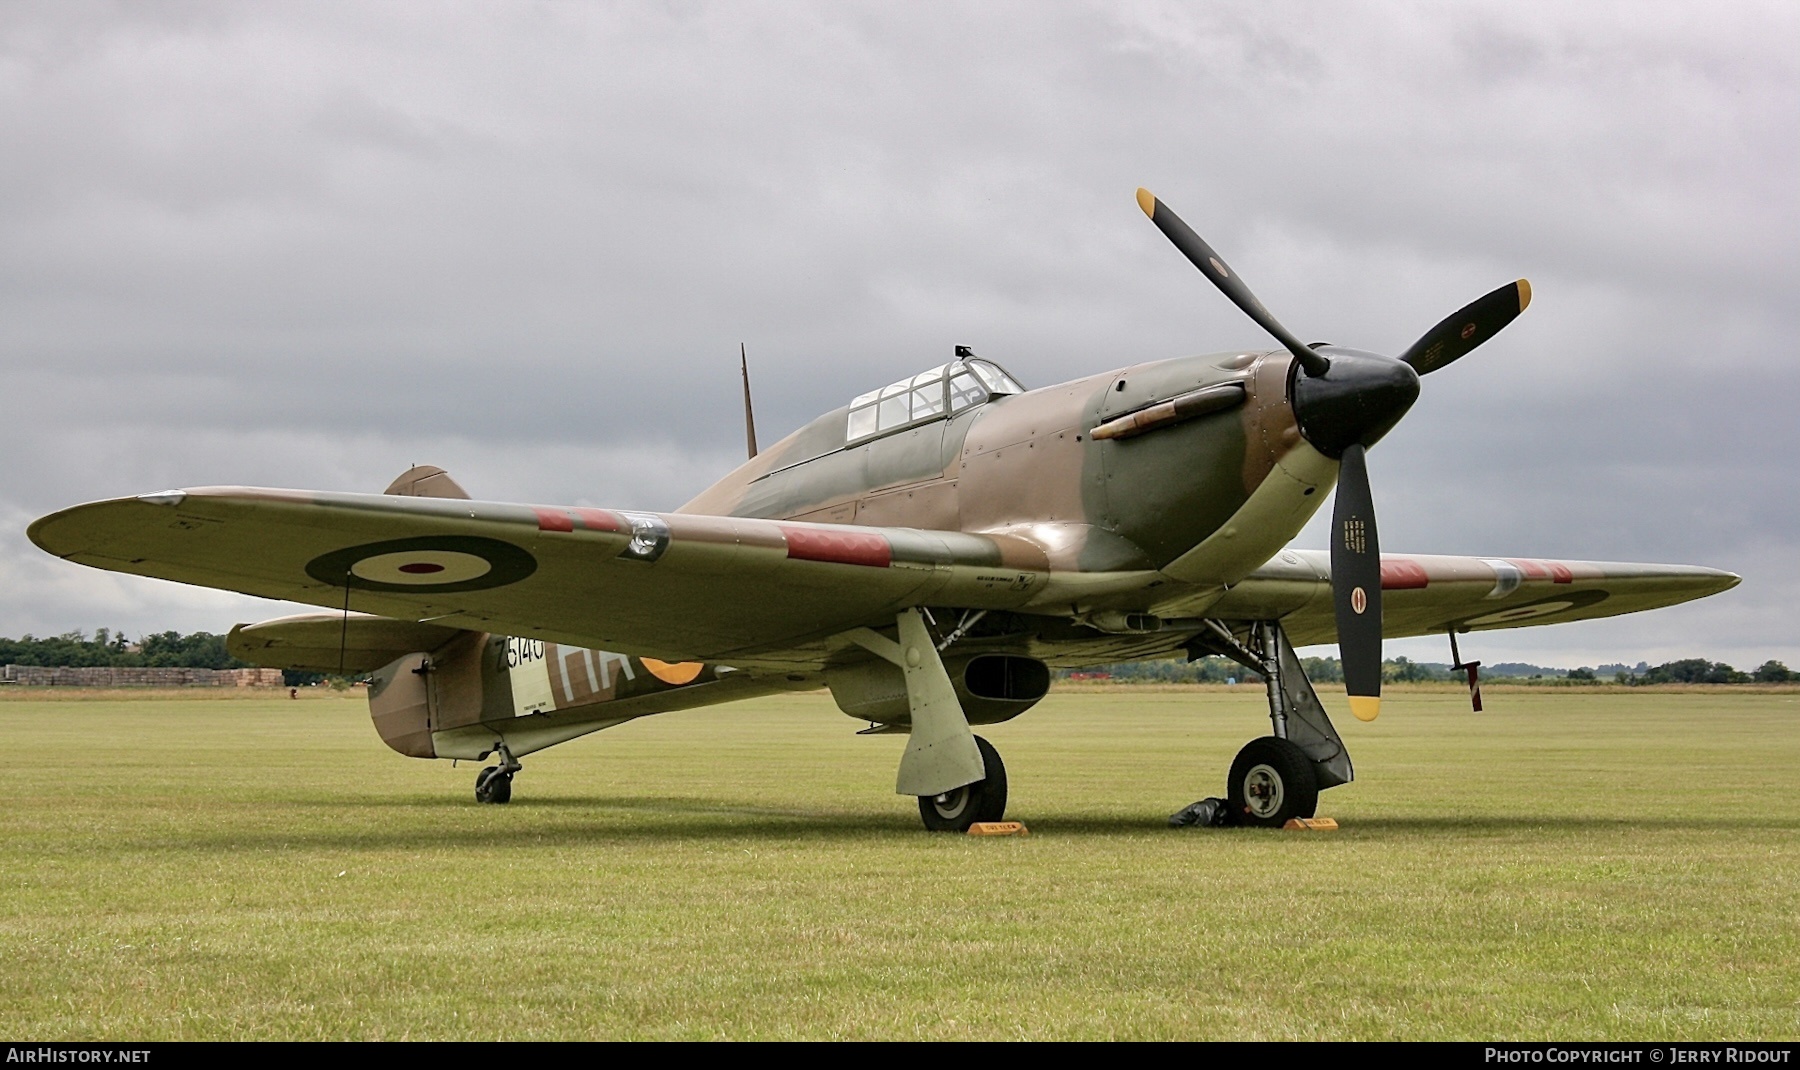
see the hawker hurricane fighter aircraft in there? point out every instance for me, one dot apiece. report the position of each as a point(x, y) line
point(928, 552)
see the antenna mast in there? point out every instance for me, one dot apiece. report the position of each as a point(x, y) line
point(749, 416)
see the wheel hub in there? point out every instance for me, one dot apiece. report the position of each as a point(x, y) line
point(1263, 792)
point(951, 804)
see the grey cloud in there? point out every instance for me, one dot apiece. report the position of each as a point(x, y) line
point(308, 244)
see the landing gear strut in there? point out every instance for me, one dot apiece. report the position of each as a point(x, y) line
point(956, 775)
point(494, 783)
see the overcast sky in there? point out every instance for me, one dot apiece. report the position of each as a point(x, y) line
point(309, 245)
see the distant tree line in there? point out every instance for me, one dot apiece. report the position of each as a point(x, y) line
point(1701, 671)
point(1218, 670)
point(204, 650)
point(200, 650)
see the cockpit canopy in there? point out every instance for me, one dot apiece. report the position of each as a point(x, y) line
point(930, 395)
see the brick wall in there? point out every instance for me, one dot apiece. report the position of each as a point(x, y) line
point(108, 676)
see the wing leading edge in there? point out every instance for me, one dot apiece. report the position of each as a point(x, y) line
point(685, 587)
point(673, 586)
point(1424, 594)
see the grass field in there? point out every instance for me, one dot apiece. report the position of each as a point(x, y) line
point(1617, 864)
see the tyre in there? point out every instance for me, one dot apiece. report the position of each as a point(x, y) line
point(492, 785)
point(984, 800)
point(1272, 781)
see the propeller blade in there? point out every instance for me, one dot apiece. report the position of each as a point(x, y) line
point(1468, 327)
point(1213, 267)
point(1356, 584)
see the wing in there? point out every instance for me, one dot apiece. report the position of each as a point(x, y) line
point(672, 586)
point(1428, 594)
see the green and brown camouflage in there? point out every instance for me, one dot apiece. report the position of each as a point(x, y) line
point(1141, 512)
point(1078, 548)
point(1033, 463)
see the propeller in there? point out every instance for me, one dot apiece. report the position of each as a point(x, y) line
point(1356, 584)
point(1213, 267)
point(1345, 401)
point(1468, 327)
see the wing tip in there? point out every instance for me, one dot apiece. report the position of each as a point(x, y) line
point(52, 533)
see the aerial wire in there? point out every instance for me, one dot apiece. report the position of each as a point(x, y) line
point(344, 629)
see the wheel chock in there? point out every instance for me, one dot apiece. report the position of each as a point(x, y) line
point(1316, 824)
point(999, 828)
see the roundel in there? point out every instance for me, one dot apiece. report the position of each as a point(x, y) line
point(1507, 616)
point(424, 565)
point(416, 568)
point(1543, 607)
point(677, 673)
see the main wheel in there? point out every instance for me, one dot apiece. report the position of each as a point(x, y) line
point(1271, 781)
point(493, 785)
point(984, 800)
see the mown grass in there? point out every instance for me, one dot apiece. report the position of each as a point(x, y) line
point(1622, 864)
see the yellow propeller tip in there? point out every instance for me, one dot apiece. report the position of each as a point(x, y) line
point(1365, 707)
point(1524, 294)
point(1147, 201)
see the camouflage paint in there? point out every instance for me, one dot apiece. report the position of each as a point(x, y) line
point(462, 699)
point(1011, 508)
point(1025, 463)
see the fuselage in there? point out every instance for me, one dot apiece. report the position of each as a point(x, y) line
point(1030, 465)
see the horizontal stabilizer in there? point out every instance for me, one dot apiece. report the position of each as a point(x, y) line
point(322, 642)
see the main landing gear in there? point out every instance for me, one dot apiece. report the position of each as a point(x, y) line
point(1278, 777)
point(494, 783)
point(985, 800)
point(957, 776)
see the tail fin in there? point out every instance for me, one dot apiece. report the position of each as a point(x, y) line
point(426, 481)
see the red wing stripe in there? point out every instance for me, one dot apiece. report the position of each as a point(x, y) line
point(596, 519)
point(1400, 574)
point(552, 519)
point(1533, 570)
point(838, 547)
point(1560, 573)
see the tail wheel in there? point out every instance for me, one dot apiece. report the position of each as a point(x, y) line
point(493, 785)
point(1271, 782)
point(984, 800)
